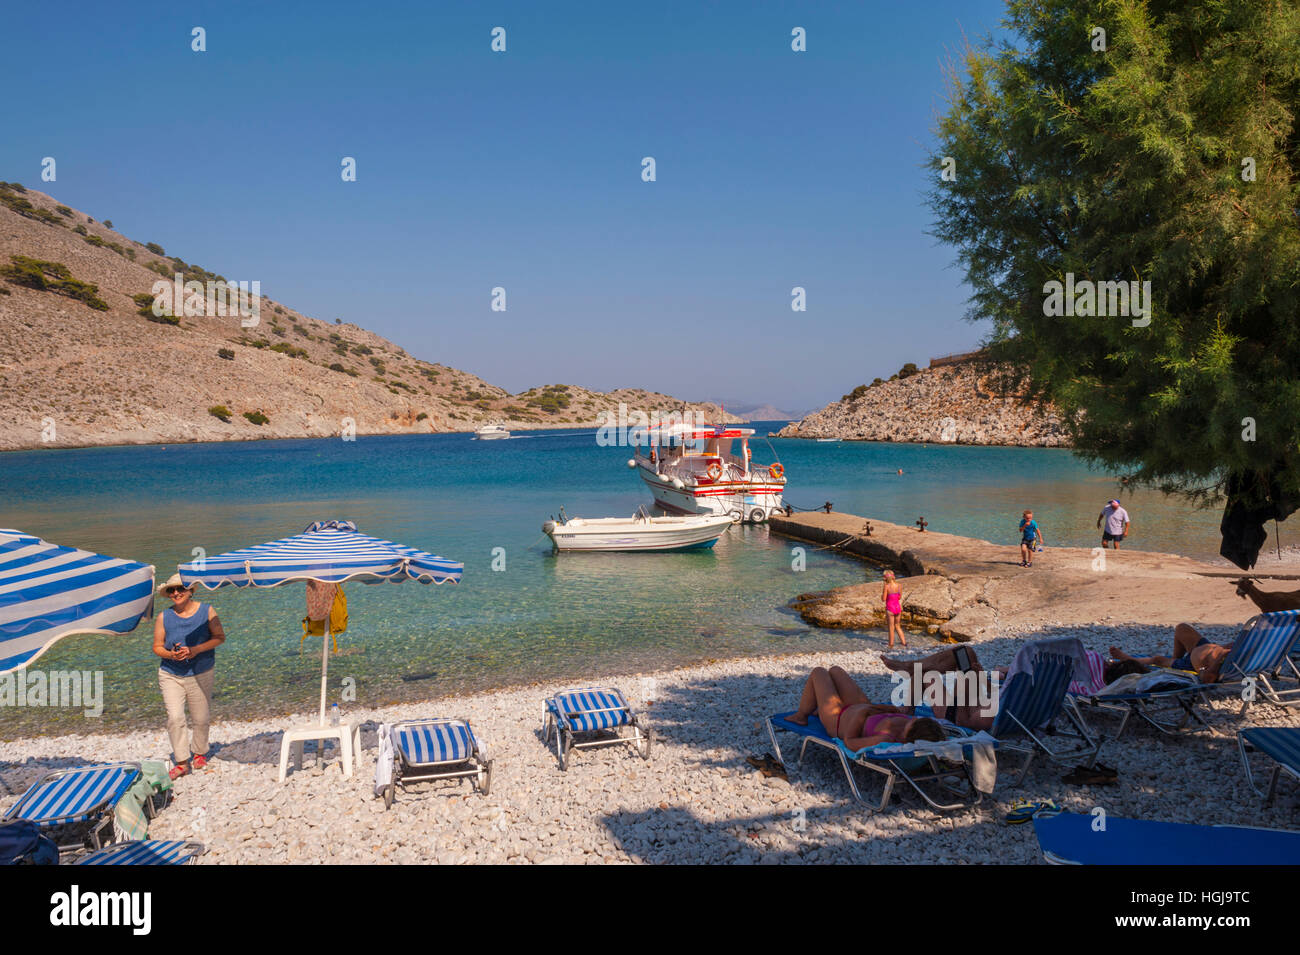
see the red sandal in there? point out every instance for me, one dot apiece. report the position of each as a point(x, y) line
point(200, 761)
point(179, 770)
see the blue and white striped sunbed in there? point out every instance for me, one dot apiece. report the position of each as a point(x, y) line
point(146, 852)
point(434, 749)
point(67, 797)
point(430, 742)
point(589, 717)
point(1029, 705)
point(1279, 743)
point(1071, 839)
point(914, 768)
point(1259, 651)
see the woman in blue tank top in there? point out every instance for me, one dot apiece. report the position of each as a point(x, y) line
point(185, 637)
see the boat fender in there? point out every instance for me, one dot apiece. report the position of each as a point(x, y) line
point(715, 471)
point(677, 483)
point(631, 462)
point(777, 471)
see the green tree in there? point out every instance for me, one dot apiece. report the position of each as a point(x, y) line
point(1166, 154)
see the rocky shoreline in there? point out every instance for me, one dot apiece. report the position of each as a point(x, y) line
point(960, 403)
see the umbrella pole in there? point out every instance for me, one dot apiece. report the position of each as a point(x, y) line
point(324, 670)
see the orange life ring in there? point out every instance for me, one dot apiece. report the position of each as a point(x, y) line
point(714, 471)
point(777, 471)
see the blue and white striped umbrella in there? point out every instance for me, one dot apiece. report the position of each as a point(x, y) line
point(329, 551)
point(48, 592)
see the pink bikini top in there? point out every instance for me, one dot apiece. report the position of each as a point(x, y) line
point(869, 727)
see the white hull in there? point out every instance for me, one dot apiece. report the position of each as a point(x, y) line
point(747, 501)
point(618, 534)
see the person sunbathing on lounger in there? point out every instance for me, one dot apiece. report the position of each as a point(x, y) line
point(972, 715)
point(846, 712)
point(1191, 652)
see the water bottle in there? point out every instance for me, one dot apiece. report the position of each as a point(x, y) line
point(335, 715)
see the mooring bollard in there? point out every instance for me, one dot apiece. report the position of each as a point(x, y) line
point(922, 523)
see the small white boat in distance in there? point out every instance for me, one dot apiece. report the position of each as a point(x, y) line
point(490, 432)
point(640, 532)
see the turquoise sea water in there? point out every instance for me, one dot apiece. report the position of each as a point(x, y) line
point(570, 616)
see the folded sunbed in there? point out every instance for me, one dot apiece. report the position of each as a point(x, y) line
point(908, 762)
point(428, 750)
point(75, 806)
point(1279, 743)
point(1075, 839)
point(591, 717)
point(147, 852)
point(1032, 705)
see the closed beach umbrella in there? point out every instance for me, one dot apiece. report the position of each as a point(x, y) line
point(327, 551)
point(48, 592)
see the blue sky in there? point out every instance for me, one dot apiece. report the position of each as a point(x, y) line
point(522, 170)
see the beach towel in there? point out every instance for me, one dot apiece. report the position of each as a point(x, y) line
point(1134, 683)
point(977, 750)
point(1071, 647)
point(129, 815)
point(384, 760)
point(1096, 681)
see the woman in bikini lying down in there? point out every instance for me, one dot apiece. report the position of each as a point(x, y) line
point(846, 712)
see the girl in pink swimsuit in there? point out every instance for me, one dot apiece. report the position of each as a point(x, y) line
point(892, 595)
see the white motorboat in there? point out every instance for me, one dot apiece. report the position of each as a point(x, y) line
point(697, 470)
point(491, 432)
point(641, 532)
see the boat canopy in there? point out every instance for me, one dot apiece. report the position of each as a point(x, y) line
point(684, 432)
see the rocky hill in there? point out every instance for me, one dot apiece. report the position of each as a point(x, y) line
point(962, 403)
point(85, 361)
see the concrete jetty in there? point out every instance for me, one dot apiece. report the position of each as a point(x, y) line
point(961, 588)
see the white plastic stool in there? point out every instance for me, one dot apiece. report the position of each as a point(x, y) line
point(347, 734)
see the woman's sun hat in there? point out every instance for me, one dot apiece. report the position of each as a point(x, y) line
point(175, 581)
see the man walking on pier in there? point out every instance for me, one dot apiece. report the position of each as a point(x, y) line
point(1117, 525)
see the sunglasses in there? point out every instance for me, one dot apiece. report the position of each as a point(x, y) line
point(173, 591)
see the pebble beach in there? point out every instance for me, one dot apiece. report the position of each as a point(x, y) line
point(695, 800)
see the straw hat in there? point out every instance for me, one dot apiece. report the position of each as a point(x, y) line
point(175, 581)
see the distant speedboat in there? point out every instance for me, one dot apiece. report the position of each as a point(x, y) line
point(640, 532)
point(491, 432)
point(827, 440)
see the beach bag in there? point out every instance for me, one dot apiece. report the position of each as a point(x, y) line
point(338, 620)
point(21, 843)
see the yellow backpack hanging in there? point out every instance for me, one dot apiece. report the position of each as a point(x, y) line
point(338, 621)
